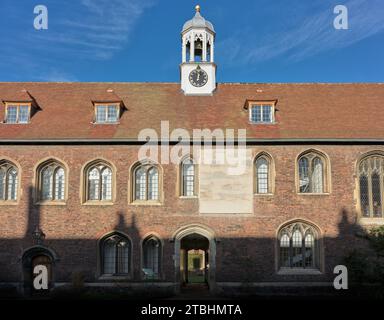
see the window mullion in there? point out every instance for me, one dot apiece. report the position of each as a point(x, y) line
point(100, 185)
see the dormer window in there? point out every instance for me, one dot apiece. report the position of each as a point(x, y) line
point(261, 112)
point(107, 113)
point(17, 113)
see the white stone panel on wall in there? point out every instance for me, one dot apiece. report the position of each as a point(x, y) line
point(226, 188)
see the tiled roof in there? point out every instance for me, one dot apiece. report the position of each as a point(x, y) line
point(303, 111)
point(17, 96)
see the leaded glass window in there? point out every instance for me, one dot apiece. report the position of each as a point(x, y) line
point(23, 114)
point(303, 175)
point(146, 183)
point(298, 247)
point(364, 195)
point(8, 181)
point(12, 114)
point(263, 175)
point(370, 171)
point(285, 250)
point(47, 183)
point(99, 182)
point(311, 174)
point(101, 114)
point(188, 178)
point(59, 184)
point(141, 184)
point(107, 113)
point(261, 113)
point(153, 184)
point(151, 258)
point(52, 182)
point(18, 113)
point(297, 250)
point(106, 184)
point(116, 254)
point(309, 244)
point(317, 175)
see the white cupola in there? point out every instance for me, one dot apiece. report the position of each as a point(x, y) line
point(198, 70)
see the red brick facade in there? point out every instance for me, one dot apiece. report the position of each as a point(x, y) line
point(245, 244)
point(340, 121)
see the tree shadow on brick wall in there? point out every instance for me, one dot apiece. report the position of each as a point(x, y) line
point(250, 261)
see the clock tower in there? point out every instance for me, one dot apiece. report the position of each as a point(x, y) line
point(198, 70)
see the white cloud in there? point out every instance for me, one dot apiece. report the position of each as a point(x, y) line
point(310, 36)
point(54, 75)
point(101, 29)
point(91, 30)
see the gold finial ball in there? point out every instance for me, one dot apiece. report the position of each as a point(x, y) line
point(197, 8)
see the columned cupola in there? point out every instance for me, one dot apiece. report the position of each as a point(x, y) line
point(198, 69)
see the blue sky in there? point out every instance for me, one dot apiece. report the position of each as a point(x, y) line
point(139, 40)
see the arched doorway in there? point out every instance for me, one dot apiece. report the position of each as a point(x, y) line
point(32, 257)
point(195, 256)
point(194, 259)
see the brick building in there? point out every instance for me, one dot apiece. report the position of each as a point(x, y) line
point(75, 197)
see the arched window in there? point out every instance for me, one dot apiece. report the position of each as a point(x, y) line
point(146, 183)
point(263, 176)
point(8, 181)
point(115, 255)
point(51, 177)
point(371, 175)
point(312, 169)
point(298, 246)
point(188, 178)
point(99, 182)
point(151, 258)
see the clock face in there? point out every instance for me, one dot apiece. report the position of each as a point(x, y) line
point(198, 77)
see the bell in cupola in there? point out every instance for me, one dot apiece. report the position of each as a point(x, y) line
point(198, 48)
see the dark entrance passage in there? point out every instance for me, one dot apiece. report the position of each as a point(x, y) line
point(194, 259)
point(31, 258)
